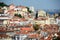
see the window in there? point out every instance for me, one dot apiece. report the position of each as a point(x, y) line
point(52, 21)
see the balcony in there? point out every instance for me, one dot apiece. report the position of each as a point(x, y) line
point(4, 16)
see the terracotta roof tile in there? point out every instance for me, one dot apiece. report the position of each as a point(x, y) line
point(33, 36)
point(4, 35)
point(27, 29)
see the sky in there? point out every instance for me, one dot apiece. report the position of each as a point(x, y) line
point(37, 4)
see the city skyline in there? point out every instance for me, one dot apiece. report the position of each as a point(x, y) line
point(24, 22)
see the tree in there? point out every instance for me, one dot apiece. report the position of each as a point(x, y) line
point(18, 15)
point(59, 14)
point(36, 27)
point(56, 38)
point(29, 10)
point(3, 4)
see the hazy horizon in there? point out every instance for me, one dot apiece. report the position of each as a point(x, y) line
point(48, 5)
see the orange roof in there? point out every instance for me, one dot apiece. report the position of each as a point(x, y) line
point(22, 32)
point(12, 10)
point(2, 29)
point(29, 25)
point(20, 7)
point(11, 24)
point(4, 35)
point(47, 25)
point(33, 36)
point(27, 29)
point(15, 18)
point(42, 18)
